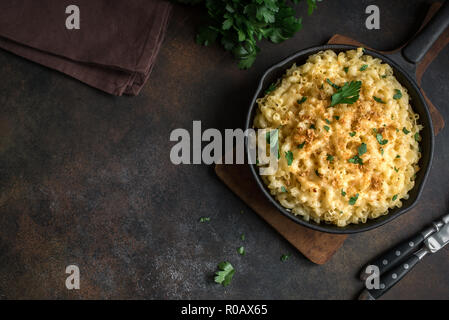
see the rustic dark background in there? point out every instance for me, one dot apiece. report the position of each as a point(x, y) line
point(86, 179)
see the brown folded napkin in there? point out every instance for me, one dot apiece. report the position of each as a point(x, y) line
point(114, 50)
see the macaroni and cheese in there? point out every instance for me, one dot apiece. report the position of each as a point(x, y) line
point(348, 162)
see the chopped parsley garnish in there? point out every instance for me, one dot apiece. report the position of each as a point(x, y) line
point(301, 145)
point(327, 121)
point(333, 84)
point(364, 67)
point(242, 236)
point(396, 169)
point(417, 136)
point(405, 130)
point(353, 200)
point(337, 118)
point(271, 88)
point(289, 157)
point(302, 100)
point(343, 193)
point(398, 156)
point(330, 158)
point(394, 197)
point(352, 133)
point(356, 160)
point(348, 94)
point(380, 139)
point(317, 173)
point(285, 257)
point(241, 251)
point(283, 189)
point(384, 76)
point(346, 69)
point(397, 94)
point(362, 149)
point(204, 219)
point(382, 151)
point(272, 137)
point(312, 126)
point(224, 274)
point(378, 100)
point(326, 128)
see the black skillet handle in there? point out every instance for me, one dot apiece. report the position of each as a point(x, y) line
point(418, 47)
point(389, 279)
point(392, 257)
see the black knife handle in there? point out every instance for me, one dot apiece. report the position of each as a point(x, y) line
point(393, 256)
point(389, 279)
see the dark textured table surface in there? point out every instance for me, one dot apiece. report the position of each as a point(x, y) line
point(86, 179)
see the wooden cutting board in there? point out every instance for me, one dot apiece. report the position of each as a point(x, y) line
point(318, 247)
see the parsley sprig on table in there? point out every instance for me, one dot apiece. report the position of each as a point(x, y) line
point(224, 274)
point(240, 24)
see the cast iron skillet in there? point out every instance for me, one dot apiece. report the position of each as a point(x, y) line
point(404, 66)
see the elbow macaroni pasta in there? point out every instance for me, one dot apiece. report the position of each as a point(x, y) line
point(321, 183)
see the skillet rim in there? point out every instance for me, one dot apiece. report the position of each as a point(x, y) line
point(352, 228)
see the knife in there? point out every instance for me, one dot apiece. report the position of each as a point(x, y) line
point(432, 244)
point(393, 256)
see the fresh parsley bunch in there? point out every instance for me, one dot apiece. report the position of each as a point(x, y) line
point(240, 24)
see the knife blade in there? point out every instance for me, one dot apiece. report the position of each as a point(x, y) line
point(438, 240)
point(432, 244)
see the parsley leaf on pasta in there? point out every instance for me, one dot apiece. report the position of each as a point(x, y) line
point(272, 137)
point(333, 84)
point(353, 199)
point(271, 88)
point(356, 160)
point(302, 100)
point(364, 67)
point(362, 149)
point(397, 95)
point(381, 139)
point(301, 145)
point(405, 130)
point(289, 157)
point(349, 93)
point(378, 100)
point(417, 137)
